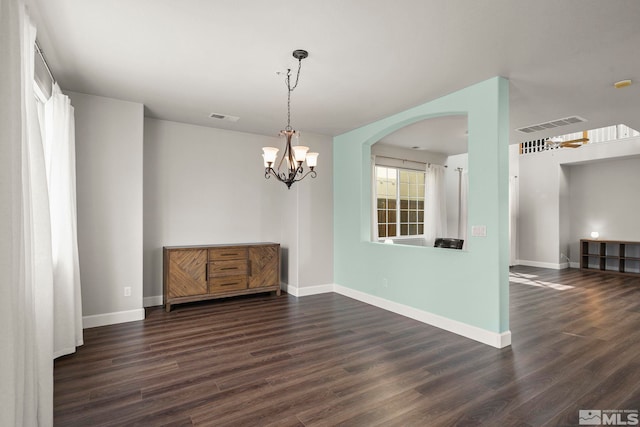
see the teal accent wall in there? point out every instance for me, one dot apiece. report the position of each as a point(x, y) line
point(470, 286)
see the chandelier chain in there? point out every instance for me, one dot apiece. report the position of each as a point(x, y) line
point(290, 89)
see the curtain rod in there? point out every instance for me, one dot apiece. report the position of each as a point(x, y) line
point(46, 65)
point(407, 160)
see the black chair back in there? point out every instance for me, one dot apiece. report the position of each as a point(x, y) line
point(449, 243)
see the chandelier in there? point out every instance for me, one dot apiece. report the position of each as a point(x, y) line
point(289, 169)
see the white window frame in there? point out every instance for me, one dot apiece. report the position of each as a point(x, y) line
point(398, 236)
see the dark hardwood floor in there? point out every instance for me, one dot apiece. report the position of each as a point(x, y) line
point(330, 360)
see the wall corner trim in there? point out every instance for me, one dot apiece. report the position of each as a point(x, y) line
point(112, 318)
point(153, 301)
point(303, 291)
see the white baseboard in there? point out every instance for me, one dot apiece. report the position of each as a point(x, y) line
point(494, 339)
point(152, 301)
point(112, 318)
point(554, 266)
point(303, 291)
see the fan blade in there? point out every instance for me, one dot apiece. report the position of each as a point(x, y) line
point(583, 140)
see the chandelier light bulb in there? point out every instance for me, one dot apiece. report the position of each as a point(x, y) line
point(312, 160)
point(300, 153)
point(595, 234)
point(270, 154)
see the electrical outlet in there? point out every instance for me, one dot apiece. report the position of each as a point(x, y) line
point(127, 291)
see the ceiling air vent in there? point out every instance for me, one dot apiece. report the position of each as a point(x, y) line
point(552, 124)
point(224, 117)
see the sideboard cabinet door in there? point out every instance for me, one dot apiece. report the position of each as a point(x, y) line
point(186, 272)
point(264, 266)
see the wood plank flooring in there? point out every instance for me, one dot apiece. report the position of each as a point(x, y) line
point(329, 360)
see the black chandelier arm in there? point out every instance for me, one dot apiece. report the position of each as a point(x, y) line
point(291, 178)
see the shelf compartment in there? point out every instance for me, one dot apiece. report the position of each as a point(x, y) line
point(610, 256)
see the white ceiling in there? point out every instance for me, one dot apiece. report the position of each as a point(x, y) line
point(368, 59)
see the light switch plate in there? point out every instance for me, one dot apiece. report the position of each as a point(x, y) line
point(479, 230)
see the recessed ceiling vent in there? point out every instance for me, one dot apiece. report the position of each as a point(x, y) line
point(224, 117)
point(552, 124)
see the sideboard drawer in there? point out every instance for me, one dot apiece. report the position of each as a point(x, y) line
point(228, 268)
point(233, 252)
point(227, 283)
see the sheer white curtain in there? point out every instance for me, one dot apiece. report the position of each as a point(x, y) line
point(26, 370)
point(374, 201)
point(435, 204)
point(463, 210)
point(59, 147)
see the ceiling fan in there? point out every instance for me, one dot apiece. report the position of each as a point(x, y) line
point(558, 141)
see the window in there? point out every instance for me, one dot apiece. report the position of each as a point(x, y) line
point(400, 200)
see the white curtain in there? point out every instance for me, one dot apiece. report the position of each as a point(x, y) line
point(59, 148)
point(513, 216)
point(374, 201)
point(463, 210)
point(26, 370)
point(435, 204)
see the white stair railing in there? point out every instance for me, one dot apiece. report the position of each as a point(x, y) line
point(609, 133)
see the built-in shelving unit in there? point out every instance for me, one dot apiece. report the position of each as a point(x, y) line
point(610, 256)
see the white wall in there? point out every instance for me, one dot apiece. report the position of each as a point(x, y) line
point(604, 196)
point(546, 211)
point(109, 162)
point(206, 186)
point(315, 213)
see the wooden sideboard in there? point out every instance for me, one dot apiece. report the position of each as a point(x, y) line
point(610, 256)
point(195, 273)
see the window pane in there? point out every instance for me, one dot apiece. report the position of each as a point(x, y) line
point(392, 203)
point(421, 191)
point(413, 178)
point(382, 231)
point(392, 230)
point(404, 176)
point(391, 217)
point(404, 216)
point(382, 216)
point(404, 229)
point(421, 204)
point(413, 216)
point(404, 204)
point(413, 229)
point(413, 204)
point(420, 229)
point(382, 203)
point(404, 190)
point(421, 217)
